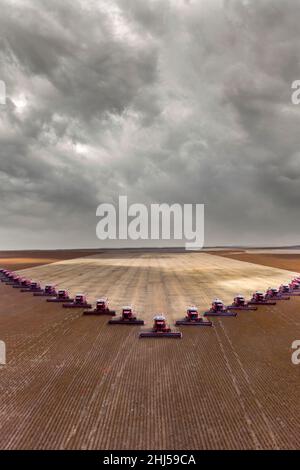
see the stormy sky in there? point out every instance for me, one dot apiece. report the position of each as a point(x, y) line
point(161, 100)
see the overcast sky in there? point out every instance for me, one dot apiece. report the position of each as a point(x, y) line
point(162, 100)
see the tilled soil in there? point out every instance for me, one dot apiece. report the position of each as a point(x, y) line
point(283, 260)
point(74, 382)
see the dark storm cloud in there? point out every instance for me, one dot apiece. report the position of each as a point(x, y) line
point(166, 101)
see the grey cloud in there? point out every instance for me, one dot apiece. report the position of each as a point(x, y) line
point(164, 101)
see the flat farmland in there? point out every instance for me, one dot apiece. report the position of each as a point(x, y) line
point(73, 382)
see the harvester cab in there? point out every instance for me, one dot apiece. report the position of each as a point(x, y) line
point(102, 304)
point(80, 299)
point(128, 317)
point(217, 305)
point(192, 313)
point(239, 300)
point(160, 329)
point(259, 296)
point(160, 323)
point(36, 287)
point(193, 318)
point(62, 294)
point(127, 312)
point(49, 289)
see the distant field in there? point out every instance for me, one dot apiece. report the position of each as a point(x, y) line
point(74, 382)
point(24, 259)
point(283, 259)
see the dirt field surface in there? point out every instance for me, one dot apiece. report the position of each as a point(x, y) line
point(289, 261)
point(20, 259)
point(74, 382)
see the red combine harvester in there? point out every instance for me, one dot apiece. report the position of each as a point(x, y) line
point(128, 317)
point(62, 296)
point(160, 329)
point(193, 318)
point(79, 301)
point(34, 287)
point(218, 309)
point(239, 303)
point(48, 291)
point(294, 287)
point(15, 281)
point(102, 308)
point(4, 274)
point(10, 276)
point(22, 284)
point(273, 294)
point(3, 278)
point(284, 289)
point(259, 298)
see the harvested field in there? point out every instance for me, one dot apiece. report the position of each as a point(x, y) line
point(73, 382)
point(126, 277)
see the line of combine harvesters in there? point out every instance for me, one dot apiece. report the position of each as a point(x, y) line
point(160, 328)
